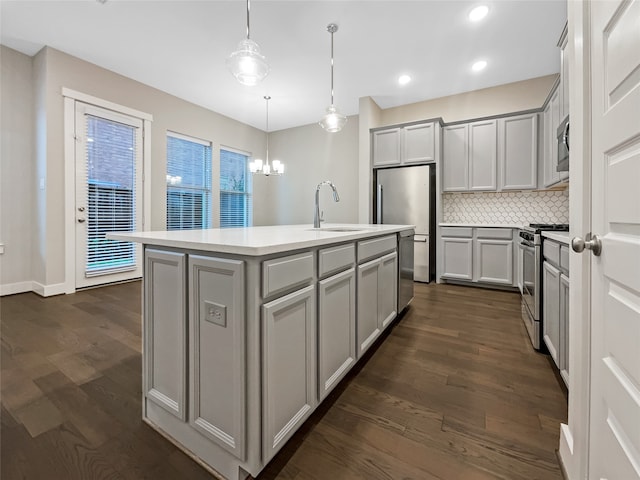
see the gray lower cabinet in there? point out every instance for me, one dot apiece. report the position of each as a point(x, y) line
point(288, 367)
point(551, 310)
point(494, 261)
point(217, 338)
point(336, 329)
point(210, 358)
point(564, 327)
point(457, 256)
point(377, 298)
point(165, 327)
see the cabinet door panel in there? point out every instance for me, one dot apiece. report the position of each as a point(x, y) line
point(368, 327)
point(519, 151)
point(549, 173)
point(288, 366)
point(564, 328)
point(387, 289)
point(336, 329)
point(457, 258)
point(483, 158)
point(165, 323)
point(217, 350)
point(455, 163)
point(494, 261)
point(551, 310)
point(419, 143)
point(386, 147)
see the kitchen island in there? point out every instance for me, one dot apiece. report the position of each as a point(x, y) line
point(247, 330)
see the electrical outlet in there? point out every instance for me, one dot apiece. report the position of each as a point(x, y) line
point(215, 313)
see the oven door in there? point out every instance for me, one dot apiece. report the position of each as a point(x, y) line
point(530, 276)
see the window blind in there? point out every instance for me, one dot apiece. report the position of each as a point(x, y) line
point(188, 182)
point(235, 189)
point(111, 173)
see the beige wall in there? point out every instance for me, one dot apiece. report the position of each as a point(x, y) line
point(507, 98)
point(54, 70)
point(16, 169)
point(312, 155)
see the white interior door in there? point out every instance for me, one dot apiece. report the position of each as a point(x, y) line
point(108, 166)
point(614, 450)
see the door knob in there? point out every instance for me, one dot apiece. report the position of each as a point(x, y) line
point(590, 242)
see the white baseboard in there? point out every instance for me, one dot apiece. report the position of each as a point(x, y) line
point(565, 451)
point(13, 288)
point(49, 290)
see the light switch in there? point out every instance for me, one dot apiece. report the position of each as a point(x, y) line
point(215, 313)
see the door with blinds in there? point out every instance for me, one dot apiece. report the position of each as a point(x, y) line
point(108, 161)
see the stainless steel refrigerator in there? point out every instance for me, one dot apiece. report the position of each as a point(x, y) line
point(406, 196)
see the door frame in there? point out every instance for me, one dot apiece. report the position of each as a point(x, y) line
point(574, 436)
point(70, 98)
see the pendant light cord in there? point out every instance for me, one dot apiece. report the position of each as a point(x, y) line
point(267, 98)
point(248, 30)
point(332, 28)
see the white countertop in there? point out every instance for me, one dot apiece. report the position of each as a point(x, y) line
point(562, 237)
point(481, 225)
point(256, 241)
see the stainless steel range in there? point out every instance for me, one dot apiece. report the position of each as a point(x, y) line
point(531, 246)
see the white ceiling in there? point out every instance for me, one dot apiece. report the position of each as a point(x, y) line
point(180, 47)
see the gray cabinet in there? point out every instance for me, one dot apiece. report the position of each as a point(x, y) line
point(455, 160)
point(478, 254)
point(408, 144)
point(165, 328)
point(564, 328)
point(377, 289)
point(518, 152)
point(551, 310)
point(494, 261)
point(386, 147)
point(336, 329)
point(288, 366)
point(217, 350)
point(551, 123)
point(469, 156)
point(457, 256)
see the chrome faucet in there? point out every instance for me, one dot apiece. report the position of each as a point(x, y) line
point(336, 198)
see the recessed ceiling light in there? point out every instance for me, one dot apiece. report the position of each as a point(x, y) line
point(479, 65)
point(404, 79)
point(478, 13)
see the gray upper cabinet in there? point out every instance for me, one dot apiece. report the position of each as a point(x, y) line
point(419, 143)
point(551, 123)
point(455, 163)
point(482, 155)
point(518, 152)
point(386, 147)
point(409, 144)
point(564, 75)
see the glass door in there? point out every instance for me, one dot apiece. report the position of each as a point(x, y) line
point(108, 195)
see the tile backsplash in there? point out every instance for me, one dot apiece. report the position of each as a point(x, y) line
point(506, 207)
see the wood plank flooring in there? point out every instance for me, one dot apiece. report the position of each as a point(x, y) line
point(455, 391)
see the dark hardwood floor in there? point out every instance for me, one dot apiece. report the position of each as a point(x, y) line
point(455, 391)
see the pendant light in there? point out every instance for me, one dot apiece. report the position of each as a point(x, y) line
point(258, 166)
point(247, 64)
point(333, 120)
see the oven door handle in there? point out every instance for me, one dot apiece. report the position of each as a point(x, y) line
point(525, 246)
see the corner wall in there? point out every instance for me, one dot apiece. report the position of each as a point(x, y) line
point(16, 171)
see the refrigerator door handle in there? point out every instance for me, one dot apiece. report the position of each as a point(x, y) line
point(379, 208)
point(420, 238)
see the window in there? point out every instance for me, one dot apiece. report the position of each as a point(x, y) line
point(188, 182)
point(235, 189)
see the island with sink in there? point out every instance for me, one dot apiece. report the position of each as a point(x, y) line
point(247, 330)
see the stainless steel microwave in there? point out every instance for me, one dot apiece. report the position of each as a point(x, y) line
point(563, 146)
